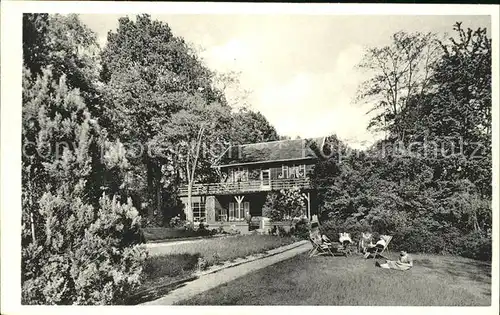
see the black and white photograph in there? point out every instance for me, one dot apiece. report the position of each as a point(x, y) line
point(312, 155)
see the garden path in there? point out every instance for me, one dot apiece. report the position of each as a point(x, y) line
point(213, 280)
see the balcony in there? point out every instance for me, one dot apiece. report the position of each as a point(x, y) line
point(245, 187)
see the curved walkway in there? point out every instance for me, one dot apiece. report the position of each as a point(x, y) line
point(213, 280)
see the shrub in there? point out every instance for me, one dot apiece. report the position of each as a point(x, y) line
point(427, 235)
point(86, 256)
point(284, 205)
point(301, 229)
point(476, 245)
point(423, 235)
point(78, 246)
point(283, 232)
point(176, 222)
point(270, 209)
point(203, 230)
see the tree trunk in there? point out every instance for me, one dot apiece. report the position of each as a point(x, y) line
point(32, 228)
point(189, 212)
point(155, 197)
point(159, 200)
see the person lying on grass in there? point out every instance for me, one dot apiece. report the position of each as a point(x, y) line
point(370, 249)
point(404, 262)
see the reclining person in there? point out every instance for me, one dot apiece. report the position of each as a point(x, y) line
point(404, 262)
point(317, 237)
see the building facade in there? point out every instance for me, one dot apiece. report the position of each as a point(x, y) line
point(247, 174)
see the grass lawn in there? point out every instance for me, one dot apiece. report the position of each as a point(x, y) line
point(224, 249)
point(178, 261)
point(433, 281)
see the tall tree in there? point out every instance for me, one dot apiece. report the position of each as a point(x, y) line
point(76, 248)
point(399, 70)
point(151, 75)
point(67, 46)
point(457, 114)
point(193, 130)
point(35, 41)
point(431, 179)
point(78, 245)
point(249, 126)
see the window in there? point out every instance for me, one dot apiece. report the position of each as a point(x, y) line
point(297, 171)
point(242, 174)
point(199, 213)
point(284, 171)
point(238, 174)
point(238, 213)
point(222, 216)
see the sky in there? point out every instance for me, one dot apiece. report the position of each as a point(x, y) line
point(300, 70)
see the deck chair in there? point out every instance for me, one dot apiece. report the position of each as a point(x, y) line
point(319, 249)
point(345, 241)
point(379, 251)
point(365, 241)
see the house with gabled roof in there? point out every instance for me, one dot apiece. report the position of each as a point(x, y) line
point(247, 174)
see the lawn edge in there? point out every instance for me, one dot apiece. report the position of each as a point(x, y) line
point(181, 239)
point(197, 275)
point(168, 242)
point(247, 259)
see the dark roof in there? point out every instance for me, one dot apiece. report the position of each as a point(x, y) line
point(273, 151)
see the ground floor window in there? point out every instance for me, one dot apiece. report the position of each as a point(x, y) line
point(199, 212)
point(235, 211)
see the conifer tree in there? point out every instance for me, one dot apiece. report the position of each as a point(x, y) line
point(76, 249)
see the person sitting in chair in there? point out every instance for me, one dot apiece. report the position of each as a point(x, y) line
point(365, 242)
point(370, 249)
point(345, 239)
point(317, 237)
point(404, 262)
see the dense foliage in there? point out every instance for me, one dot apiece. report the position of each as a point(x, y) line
point(162, 100)
point(77, 248)
point(109, 134)
point(429, 182)
point(284, 205)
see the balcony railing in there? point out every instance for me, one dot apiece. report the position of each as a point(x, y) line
point(245, 186)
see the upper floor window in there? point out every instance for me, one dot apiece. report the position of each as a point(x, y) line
point(284, 172)
point(293, 171)
point(238, 174)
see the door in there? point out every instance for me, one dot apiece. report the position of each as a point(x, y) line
point(265, 179)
